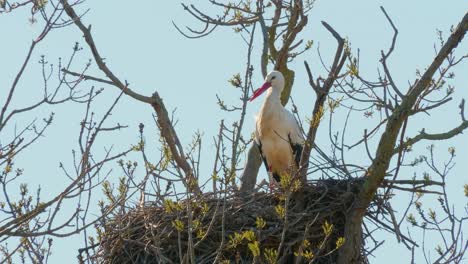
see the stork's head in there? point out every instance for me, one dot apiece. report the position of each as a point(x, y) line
point(275, 80)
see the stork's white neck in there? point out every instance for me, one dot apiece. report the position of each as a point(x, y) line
point(272, 103)
point(274, 94)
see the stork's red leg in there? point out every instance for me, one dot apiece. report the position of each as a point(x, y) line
point(271, 186)
point(273, 183)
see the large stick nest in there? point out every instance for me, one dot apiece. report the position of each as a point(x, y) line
point(221, 226)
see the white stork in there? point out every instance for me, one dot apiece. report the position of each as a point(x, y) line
point(277, 133)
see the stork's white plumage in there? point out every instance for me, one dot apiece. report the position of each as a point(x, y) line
point(277, 133)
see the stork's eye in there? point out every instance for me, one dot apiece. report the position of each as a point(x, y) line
point(272, 78)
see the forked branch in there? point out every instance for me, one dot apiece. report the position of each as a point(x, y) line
point(167, 130)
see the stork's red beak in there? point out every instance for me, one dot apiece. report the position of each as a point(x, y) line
point(260, 90)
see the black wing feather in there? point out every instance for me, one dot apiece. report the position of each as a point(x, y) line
point(259, 145)
point(275, 175)
point(297, 151)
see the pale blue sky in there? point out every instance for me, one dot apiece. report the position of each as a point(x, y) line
point(141, 45)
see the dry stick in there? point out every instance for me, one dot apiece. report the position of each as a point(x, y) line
point(285, 226)
point(424, 136)
point(179, 243)
point(223, 228)
point(50, 22)
point(215, 22)
point(247, 82)
point(301, 248)
point(462, 109)
point(321, 92)
point(394, 222)
point(389, 228)
point(210, 226)
point(190, 249)
point(15, 82)
point(264, 56)
point(215, 166)
point(169, 134)
point(167, 130)
point(389, 52)
point(87, 77)
point(6, 228)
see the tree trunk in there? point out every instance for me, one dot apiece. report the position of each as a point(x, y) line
point(249, 175)
point(350, 252)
